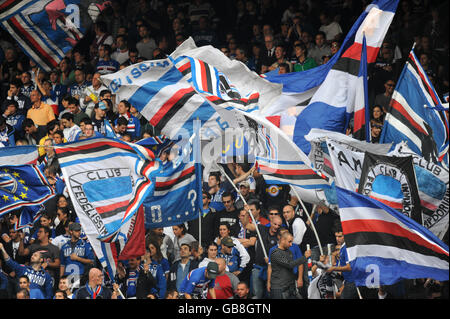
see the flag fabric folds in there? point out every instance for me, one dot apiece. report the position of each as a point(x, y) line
point(330, 89)
point(107, 180)
point(22, 185)
point(414, 116)
point(18, 155)
point(384, 246)
point(47, 29)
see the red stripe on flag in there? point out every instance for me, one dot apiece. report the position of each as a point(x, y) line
point(389, 203)
point(63, 150)
point(184, 67)
point(203, 76)
point(33, 42)
point(354, 52)
point(396, 105)
point(287, 171)
point(381, 226)
point(5, 4)
point(108, 208)
point(422, 76)
point(359, 119)
point(173, 181)
point(168, 105)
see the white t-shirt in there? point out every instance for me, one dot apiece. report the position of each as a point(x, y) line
point(331, 30)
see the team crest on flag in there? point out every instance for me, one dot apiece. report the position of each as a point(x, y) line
point(391, 180)
point(107, 180)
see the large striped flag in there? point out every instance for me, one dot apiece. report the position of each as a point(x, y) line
point(107, 180)
point(384, 246)
point(414, 115)
point(19, 155)
point(47, 29)
point(327, 92)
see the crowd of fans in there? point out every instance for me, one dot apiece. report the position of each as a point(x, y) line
point(53, 259)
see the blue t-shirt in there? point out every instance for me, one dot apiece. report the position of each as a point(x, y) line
point(343, 261)
point(196, 282)
point(83, 249)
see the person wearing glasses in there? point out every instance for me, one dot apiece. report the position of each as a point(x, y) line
point(383, 99)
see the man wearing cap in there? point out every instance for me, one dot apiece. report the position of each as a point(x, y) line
point(98, 120)
point(200, 281)
point(236, 260)
point(76, 256)
point(245, 194)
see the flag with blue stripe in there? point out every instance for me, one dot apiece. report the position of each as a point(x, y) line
point(384, 246)
point(107, 180)
point(23, 185)
point(19, 155)
point(330, 89)
point(178, 188)
point(414, 115)
point(47, 29)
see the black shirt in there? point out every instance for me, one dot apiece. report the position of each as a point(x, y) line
point(268, 240)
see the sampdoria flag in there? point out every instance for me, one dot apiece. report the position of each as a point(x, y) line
point(19, 155)
point(327, 92)
point(178, 188)
point(47, 29)
point(107, 180)
point(28, 216)
point(384, 246)
point(361, 117)
point(22, 185)
point(415, 115)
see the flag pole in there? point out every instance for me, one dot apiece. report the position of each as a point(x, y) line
point(245, 202)
point(309, 218)
point(199, 175)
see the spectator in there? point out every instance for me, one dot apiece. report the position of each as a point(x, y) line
point(27, 85)
point(320, 49)
point(375, 130)
point(295, 224)
point(331, 28)
point(181, 267)
point(147, 44)
point(269, 56)
point(242, 291)
point(75, 110)
point(181, 237)
point(137, 281)
point(211, 255)
point(156, 259)
point(33, 133)
point(14, 94)
point(122, 51)
point(24, 284)
point(94, 288)
point(76, 257)
point(105, 64)
point(199, 282)
point(384, 99)
point(207, 221)
point(244, 195)
point(377, 113)
point(236, 259)
point(228, 215)
point(71, 130)
point(6, 133)
point(283, 279)
point(225, 282)
point(241, 55)
point(324, 220)
point(39, 278)
point(77, 90)
point(40, 112)
point(133, 125)
point(303, 62)
point(67, 73)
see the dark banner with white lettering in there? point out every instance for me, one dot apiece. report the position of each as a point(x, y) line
point(392, 181)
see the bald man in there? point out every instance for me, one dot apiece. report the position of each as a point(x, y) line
point(94, 288)
point(40, 112)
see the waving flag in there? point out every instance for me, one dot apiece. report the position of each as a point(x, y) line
point(361, 117)
point(28, 216)
point(178, 188)
point(19, 155)
point(157, 144)
point(22, 185)
point(414, 115)
point(330, 89)
point(107, 181)
point(391, 245)
point(47, 29)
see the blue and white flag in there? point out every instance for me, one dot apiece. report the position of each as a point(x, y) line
point(178, 188)
point(384, 246)
point(47, 29)
point(28, 216)
point(19, 155)
point(327, 93)
point(157, 144)
point(22, 185)
point(107, 180)
point(414, 115)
